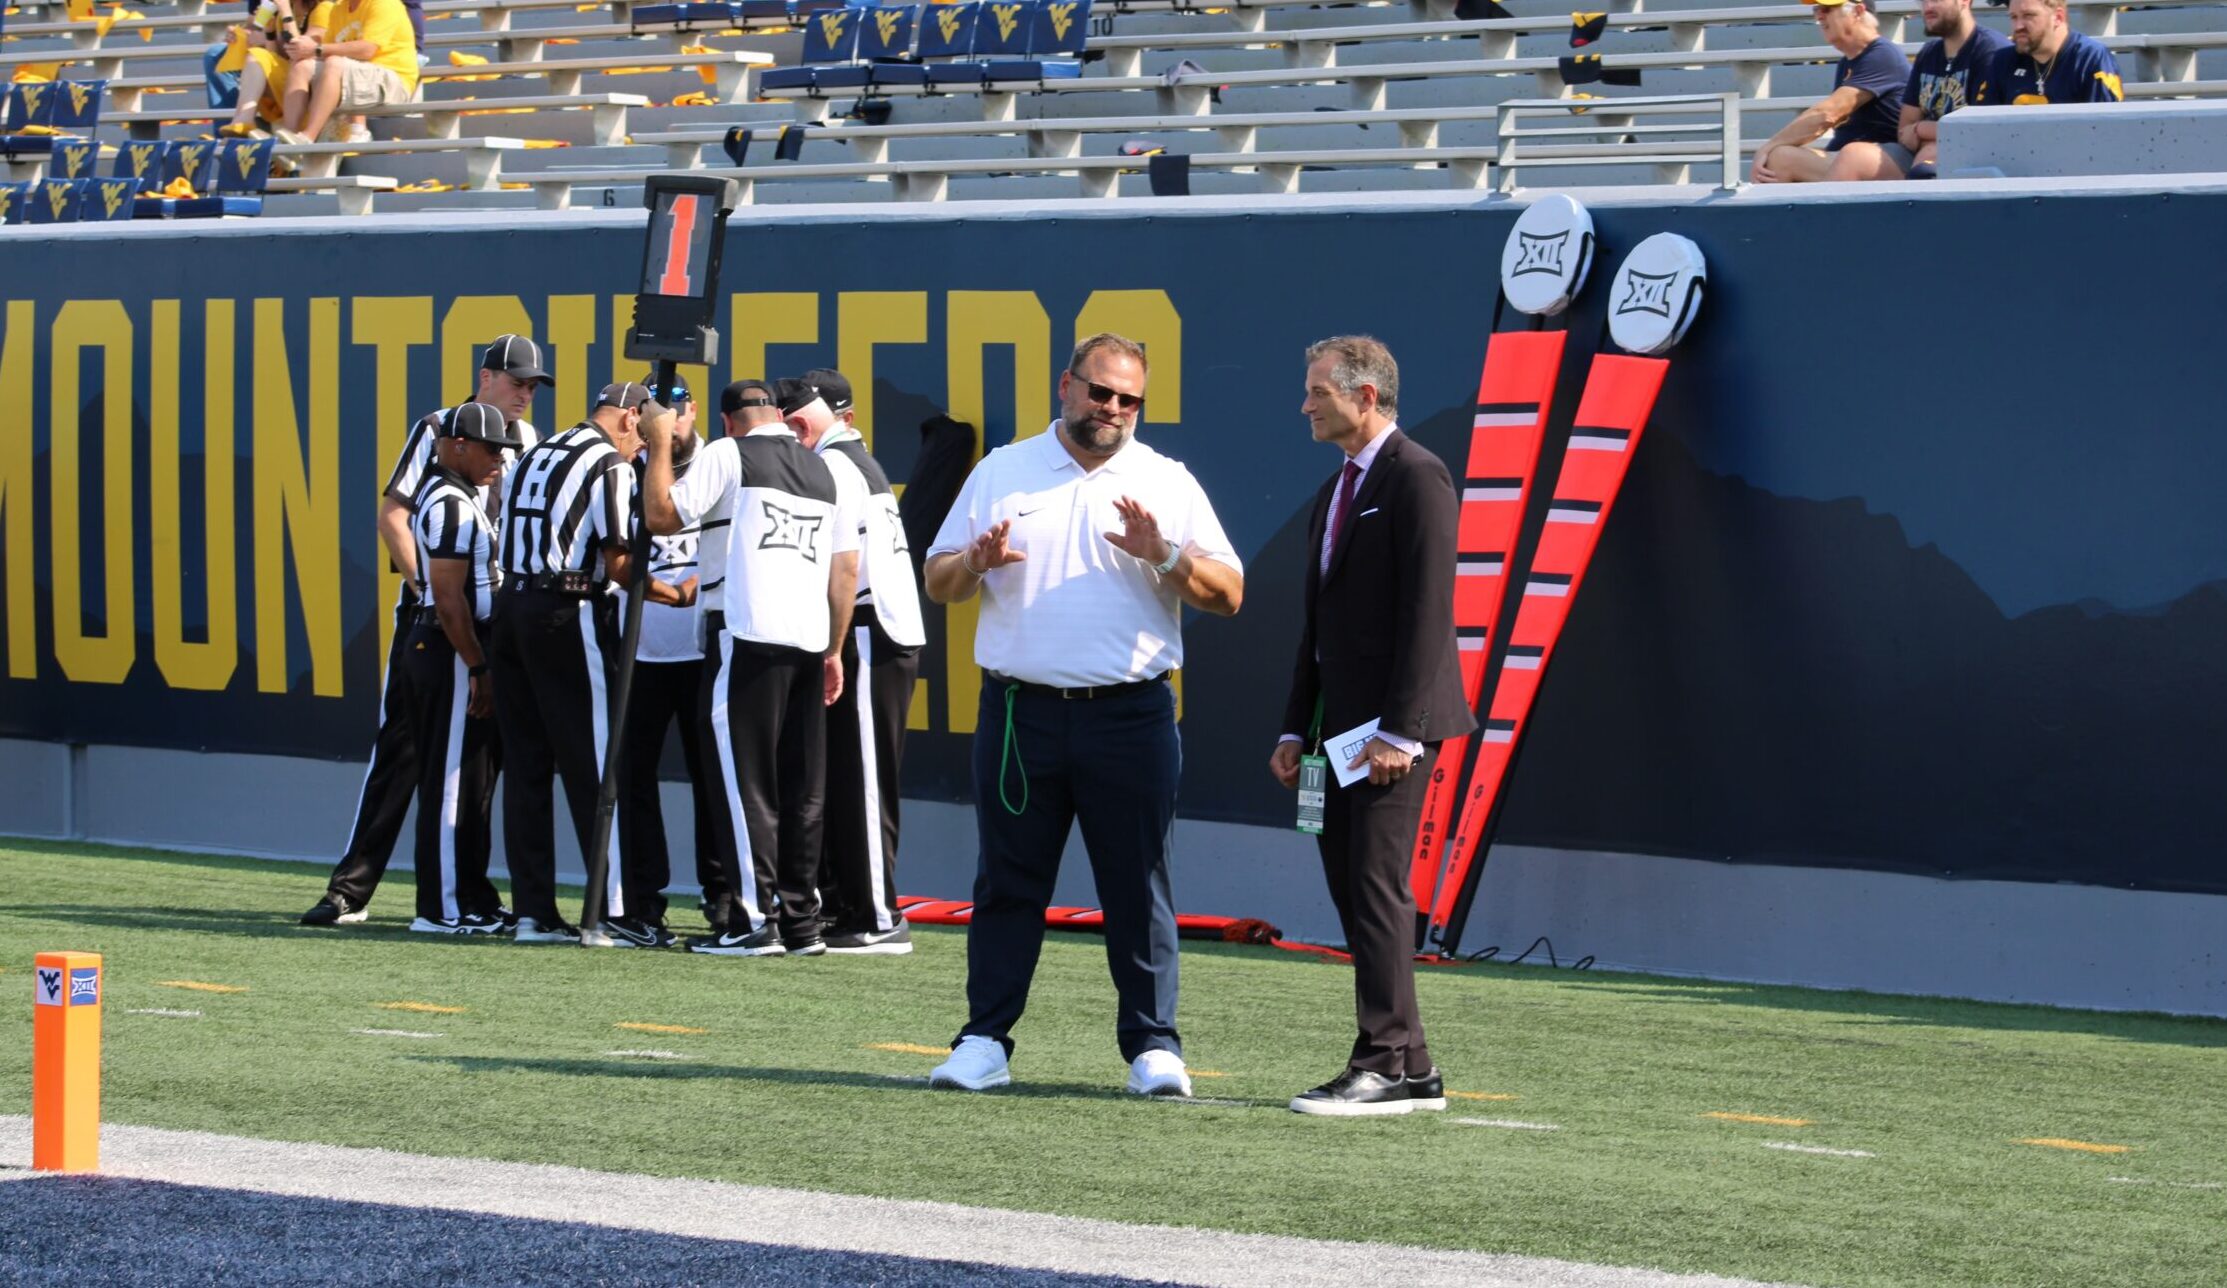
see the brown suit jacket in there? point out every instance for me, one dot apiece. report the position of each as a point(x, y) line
point(1378, 639)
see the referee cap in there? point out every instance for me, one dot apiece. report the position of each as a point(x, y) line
point(626, 395)
point(479, 423)
point(794, 394)
point(516, 356)
point(834, 387)
point(745, 393)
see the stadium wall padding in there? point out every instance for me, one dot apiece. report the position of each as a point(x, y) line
point(1920, 569)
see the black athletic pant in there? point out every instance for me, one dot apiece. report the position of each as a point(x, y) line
point(459, 754)
point(553, 660)
point(769, 724)
point(663, 692)
point(388, 782)
point(865, 747)
point(1111, 764)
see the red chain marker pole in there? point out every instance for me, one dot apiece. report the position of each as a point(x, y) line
point(66, 1062)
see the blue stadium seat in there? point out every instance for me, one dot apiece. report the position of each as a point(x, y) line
point(1019, 34)
point(77, 105)
point(1062, 27)
point(15, 202)
point(141, 159)
point(108, 200)
point(885, 41)
point(55, 201)
point(73, 159)
point(696, 13)
point(947, 31)
point(830, 37)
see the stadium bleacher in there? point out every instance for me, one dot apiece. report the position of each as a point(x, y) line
point(526, 103)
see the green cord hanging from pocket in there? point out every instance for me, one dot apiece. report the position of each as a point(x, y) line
point(1011, 751)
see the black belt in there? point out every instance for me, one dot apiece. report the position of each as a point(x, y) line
point(1082, 694)
point(579, 584)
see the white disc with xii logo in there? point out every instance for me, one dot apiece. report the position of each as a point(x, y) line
point(1544, 264)
point(1656, 294)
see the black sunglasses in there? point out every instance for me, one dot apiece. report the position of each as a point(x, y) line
point(1100, 394)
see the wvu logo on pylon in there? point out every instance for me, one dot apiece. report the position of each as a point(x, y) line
point(1062, 16)
point(791, 531)
point(1648, 293)
point(885, 23)
point(1539, 254)
point(1008, 16)
point(947, 23)
point(78, 95)
point(831, 24)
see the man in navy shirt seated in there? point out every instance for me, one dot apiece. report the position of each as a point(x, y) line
point(1947, 75)
point(1863, 111)
point(2049, 62)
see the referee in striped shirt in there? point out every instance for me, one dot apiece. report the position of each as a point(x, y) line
point(446, 660)
point(510, 371)
point(568, 514)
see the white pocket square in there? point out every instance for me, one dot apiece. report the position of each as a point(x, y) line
point(1366, 513)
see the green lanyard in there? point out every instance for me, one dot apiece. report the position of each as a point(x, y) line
point(1011, 751)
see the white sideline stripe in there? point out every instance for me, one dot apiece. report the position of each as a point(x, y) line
point(1511, 1124)
point(1792, 1148)
point(165, 1013)
point(651, 1055)
point(393, 1033)
point(793, 1218)
point(2178, 1185)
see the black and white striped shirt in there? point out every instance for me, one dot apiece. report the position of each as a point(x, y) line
point(416, 461)
point(564, 502)
point(448, 523)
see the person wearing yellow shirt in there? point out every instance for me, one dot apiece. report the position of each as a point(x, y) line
point(282, 50)
point(371, 58)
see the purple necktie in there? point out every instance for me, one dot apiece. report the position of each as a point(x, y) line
point(1341, 509)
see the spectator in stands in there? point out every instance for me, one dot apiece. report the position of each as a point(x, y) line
point(282, 51)
point(222, 70)
point(1947, 75)
point(1862, 112)
point(2049, 62)
point(372, 58)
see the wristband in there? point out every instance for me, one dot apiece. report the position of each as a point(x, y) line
point(970, 567)
point(1175, 555)
point(474, 672)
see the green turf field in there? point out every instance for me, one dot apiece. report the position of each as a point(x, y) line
point(796, 1073)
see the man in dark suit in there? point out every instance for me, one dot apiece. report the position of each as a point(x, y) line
point(1377, 644)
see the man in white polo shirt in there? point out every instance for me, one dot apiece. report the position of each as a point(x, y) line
point(1085, 546)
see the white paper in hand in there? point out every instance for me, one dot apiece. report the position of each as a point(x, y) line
point(1344, 747)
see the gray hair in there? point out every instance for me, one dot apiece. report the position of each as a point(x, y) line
point(1361, 360)
point(1120, 344)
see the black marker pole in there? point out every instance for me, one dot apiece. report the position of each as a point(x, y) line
point(673, 311)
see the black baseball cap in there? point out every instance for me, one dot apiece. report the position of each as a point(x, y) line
point(516, 356)
point(672, 397)
point(745, 393)
point(479, 423)
point(795, 393)
point(834, 387)
point(626, 395)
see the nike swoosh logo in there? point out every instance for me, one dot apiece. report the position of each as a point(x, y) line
point(1022, 514)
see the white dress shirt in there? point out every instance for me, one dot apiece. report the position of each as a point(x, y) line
point(1078, 612)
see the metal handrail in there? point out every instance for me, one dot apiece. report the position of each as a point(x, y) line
point(1717, 140)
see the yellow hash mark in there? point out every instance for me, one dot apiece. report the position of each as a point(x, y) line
point(1482, 1095)
point(2084, 1146)
point(1208, 1073)
point(1765, 1119)
point(908, 1048)
point(656, 1028)
point(199, 987)
point(422, 1008)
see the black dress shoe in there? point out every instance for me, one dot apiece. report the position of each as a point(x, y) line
point(1356, 1093)
point(1427, 1090)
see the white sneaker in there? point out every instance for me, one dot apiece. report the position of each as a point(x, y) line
point(1159, 1073)
point(976, 1064)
